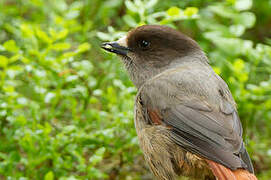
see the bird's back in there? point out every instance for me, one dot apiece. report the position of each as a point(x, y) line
point(165, 143)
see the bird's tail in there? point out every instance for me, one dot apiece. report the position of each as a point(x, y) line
point(223, 173)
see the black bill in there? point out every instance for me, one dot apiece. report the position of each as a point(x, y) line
point(114, 47)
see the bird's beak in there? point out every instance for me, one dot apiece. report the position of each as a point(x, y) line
point(118, 47)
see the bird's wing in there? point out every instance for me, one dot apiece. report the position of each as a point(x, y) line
point(201, 113)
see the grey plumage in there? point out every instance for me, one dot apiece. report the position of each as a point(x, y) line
point(204, 120)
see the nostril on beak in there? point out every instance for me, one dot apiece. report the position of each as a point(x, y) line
point(106, 45)
point(114, 47)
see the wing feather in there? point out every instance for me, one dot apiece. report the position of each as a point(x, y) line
point(204, 120)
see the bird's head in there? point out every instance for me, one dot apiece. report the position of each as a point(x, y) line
point(151, 49)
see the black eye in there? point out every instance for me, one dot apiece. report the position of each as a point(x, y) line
point(144, 44)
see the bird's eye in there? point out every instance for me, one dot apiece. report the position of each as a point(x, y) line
point(144, 44)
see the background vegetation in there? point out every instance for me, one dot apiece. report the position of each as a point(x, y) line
point(66, 106)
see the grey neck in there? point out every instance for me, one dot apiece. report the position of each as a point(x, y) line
point(139, 74)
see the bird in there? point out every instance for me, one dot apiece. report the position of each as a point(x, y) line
point(185, 116)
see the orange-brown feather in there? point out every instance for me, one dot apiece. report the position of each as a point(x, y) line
point(154, 116)
point(223, 173)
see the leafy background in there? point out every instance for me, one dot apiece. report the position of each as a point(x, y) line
point(66, 106)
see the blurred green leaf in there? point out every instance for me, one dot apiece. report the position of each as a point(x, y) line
point(246, 19)
point(83, 47)
point(237, 30)
point(11, 46)
point(131, 6)
point(43, 36)
point(104, 36)
point(128, 20)
point(151, 3)
point(60, 46)
point(190, 11)
point(173, 11)
point(3, 61)
point(26, 30)
point(49, 176)
point(239, 65)
point(242, 5)
point(62, 34)
point(97, 157)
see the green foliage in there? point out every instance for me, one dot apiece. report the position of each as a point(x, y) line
point(66, 107)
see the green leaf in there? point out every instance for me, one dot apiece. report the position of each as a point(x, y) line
point(151, 3)
point(25, 60)
point(190, 11)
point(243, 77)
point(69, 54)
point(173, 11)
point(11, 46)
point(83, 47)
point(97, 157)
point(52, 33)
point(246, 19)
point(26, 30)
point(129, 20)
point(231, 1)
point(2, 48)
point(131, 6)
point(237, 30)
point(239, 65)
point(43, 36)
point(60, 46)
point(20, 120)
point(3, 61)
point(242, 5)
point(233, 46)
point(223, 11)
point(139, 3)
point(62, 34)
point(49, 176)
point(217, 70)
point(9, 89)
point(104, 36)
point(14, 58)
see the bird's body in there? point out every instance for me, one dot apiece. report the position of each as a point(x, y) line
point(185, 116)
point(189, 109)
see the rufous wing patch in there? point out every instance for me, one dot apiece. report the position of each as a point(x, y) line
point(223, 173)
point(155, 117)
point(244, 174)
